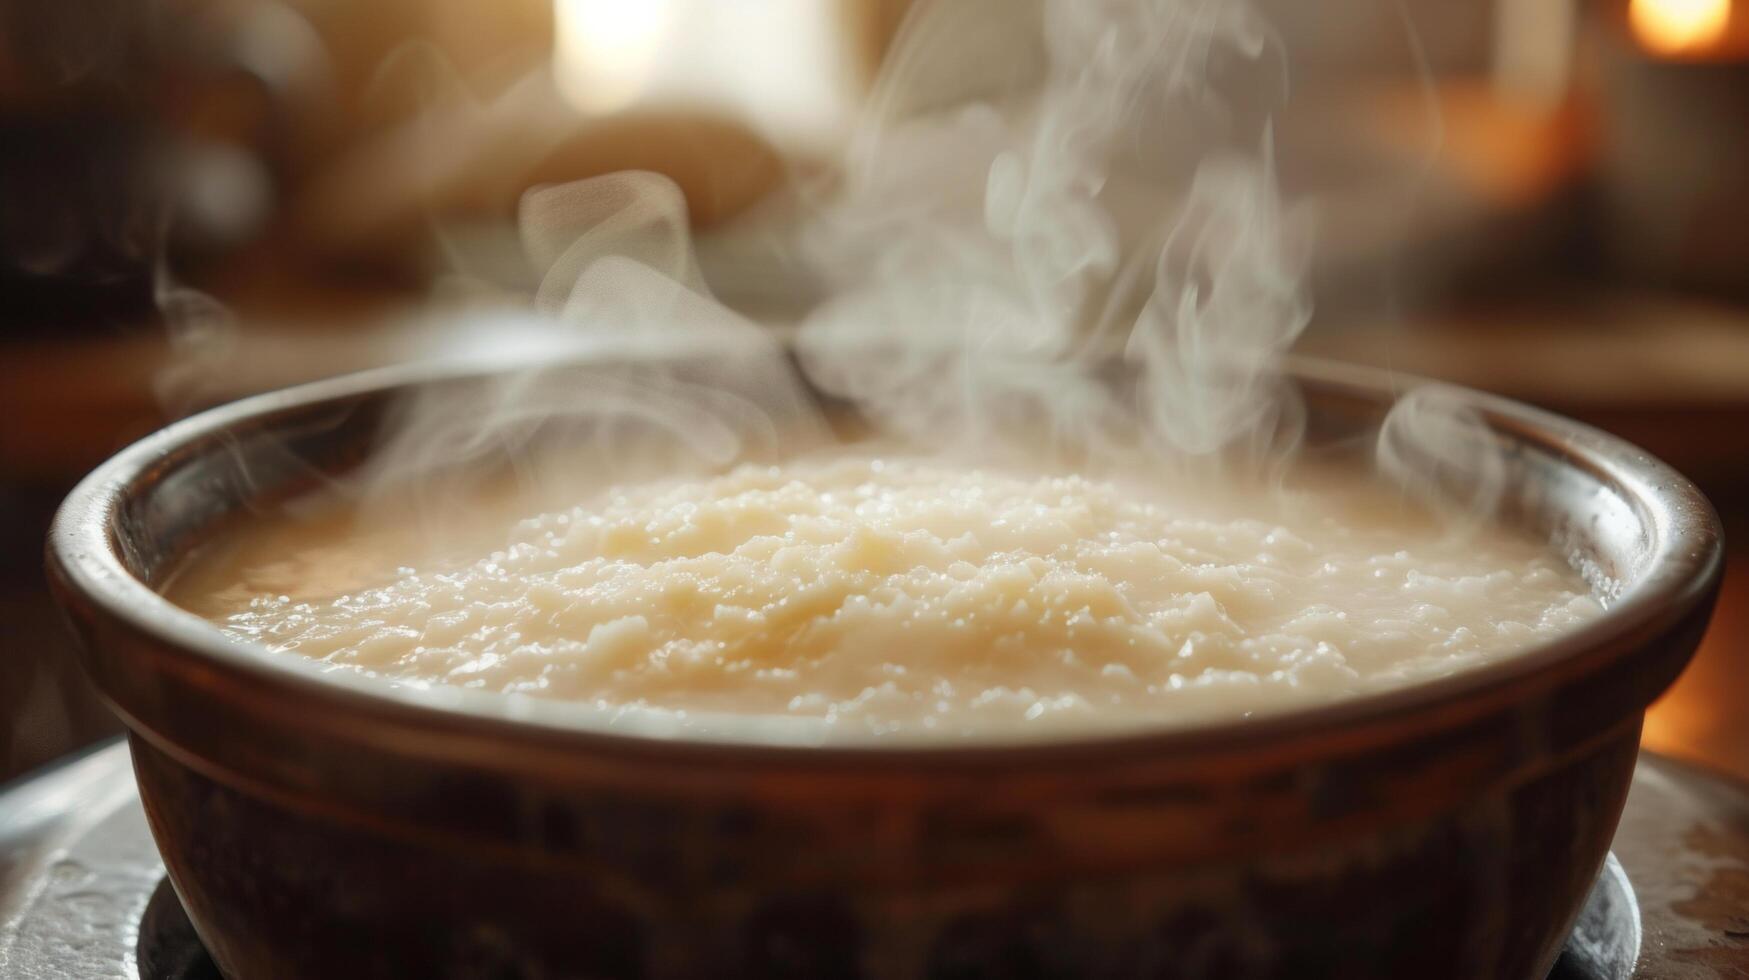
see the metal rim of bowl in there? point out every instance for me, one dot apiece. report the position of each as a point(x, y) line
point(1681, 568)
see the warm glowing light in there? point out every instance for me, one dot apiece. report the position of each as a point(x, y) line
point(607, 49)
point(784, 67)
point(1679, 26)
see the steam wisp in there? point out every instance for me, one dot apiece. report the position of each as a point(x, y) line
point(1123, 201)
point(1036, 192)
point(993, 241)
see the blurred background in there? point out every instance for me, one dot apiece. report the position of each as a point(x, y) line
point(200, 199)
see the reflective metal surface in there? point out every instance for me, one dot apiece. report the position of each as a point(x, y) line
point(77, 865)
point(1605, 942)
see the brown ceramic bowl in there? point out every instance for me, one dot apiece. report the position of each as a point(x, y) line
point(323, 827)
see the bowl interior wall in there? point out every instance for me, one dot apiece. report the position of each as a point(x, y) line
point(227, 474)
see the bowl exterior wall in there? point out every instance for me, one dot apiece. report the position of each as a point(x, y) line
point(1450, 830)
point(282, 890)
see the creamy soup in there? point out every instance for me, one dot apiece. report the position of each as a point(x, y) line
point(901, 594)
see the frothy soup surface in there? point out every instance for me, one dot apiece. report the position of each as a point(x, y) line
point(898, 594)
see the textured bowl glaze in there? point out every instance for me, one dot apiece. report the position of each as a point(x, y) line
point(328, 826)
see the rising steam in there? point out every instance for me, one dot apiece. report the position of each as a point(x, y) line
point(1037, 192)
point(1118, 199)
point(691, 386)
point(1096, 183)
